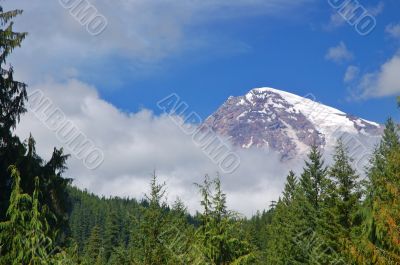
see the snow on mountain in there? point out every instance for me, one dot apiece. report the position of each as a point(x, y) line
point(289, 124)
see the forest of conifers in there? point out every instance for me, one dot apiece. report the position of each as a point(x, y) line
point(325, 215)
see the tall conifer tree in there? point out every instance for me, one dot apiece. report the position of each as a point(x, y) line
point(221, 237)
point(341, 206)
point(12, 104)
point(311, 205)
point(281, 248)
point(379, 241)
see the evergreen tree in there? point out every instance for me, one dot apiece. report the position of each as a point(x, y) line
point(314, 181)
point(313, 188)
point(39, 243)
point(340, 207)
point(148, 243)
point(94, 252)
point(290, 188)
point(257, 228)
point(24, 236)
point(182, 235)
point(280, 236)
point(310, 209)
point(120, 256)
point(13, 231)
point(12, 105)
point(281, 231)
point(379, 240)
point(12, 93)
point(56, 197)
point(221, 236)
point(347, 189)
point(112, 233)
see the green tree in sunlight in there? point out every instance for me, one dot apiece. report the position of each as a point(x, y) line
point(24, 235)
point(342, 205)
point(147, 248)
point(283, 228)
point(379, 236)
point(222, 239)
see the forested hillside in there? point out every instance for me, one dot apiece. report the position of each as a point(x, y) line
point(325, 215)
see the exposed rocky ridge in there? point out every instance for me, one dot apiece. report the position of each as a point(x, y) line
point(287, 123)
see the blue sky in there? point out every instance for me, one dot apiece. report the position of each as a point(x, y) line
point(286, 52)
point(229, 50)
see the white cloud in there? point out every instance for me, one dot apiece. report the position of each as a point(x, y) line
point(136, 143)
point(393, 30)
point(339, 53)
point(141, 31)
point(351, 73)
point(385, 82)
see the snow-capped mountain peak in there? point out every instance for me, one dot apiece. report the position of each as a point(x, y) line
point(288, 123)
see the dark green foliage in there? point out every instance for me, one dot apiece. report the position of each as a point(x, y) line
point(378, 240)
point(94, 251)
point(113, 216)
point(314, 182)
point(112, 234)
point(222, 238)
point(304, 228)
point(313, 193)
point(51, 180)
point(161, 235)
point(346, 187)
point(119, 256)
point(341, 206)
point(24, 235)
point(148, 246)
point(12, 93)
point(283, 229)
point(13, 232)
point(291, 186)
point(257, 228)
point(12, 105)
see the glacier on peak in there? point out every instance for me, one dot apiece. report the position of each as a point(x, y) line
point(270, 118)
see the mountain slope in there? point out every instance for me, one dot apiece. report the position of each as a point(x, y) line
point(287, 123)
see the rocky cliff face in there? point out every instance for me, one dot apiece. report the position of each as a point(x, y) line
point(287, 123)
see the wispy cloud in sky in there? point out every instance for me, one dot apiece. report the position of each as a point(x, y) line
point(381, 83)
point(339, 53)
point(351, 73)
point(393, 30)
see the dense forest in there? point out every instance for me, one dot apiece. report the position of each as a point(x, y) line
point(325, 215)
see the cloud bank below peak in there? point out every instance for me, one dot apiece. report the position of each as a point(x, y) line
point(134, 144)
